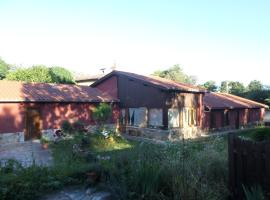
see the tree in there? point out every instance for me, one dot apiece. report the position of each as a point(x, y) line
point(210, 86)
point(38, 73)
point(224, 86)
point(236, 88)
point(232, 87)
point(4, 67)
point(255, 86)
point(41, 74)
point(60, 75)
point(175, 73)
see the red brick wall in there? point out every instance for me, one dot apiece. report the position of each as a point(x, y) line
point(109, 86)
point(11, 117)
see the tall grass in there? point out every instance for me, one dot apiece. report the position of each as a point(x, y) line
point(178, 171)
point(184, 170)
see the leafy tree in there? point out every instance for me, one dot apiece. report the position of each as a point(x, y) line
point(210, 86)
point(42, 74)
point(232, 87)
point(175, 73)
point(255, 86)
point(38, 73)
point(60, 75)
point(236, 88)
point(4, 67)
point(224, 86)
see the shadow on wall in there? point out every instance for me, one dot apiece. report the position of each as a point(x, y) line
point(60, 92)
point(60, 102)
point(11, 117)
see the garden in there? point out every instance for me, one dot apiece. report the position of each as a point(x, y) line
point(127, 169)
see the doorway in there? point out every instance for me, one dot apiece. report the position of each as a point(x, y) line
point(33, 124)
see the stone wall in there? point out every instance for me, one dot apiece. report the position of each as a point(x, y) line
point(170, 134)
point(6, 138)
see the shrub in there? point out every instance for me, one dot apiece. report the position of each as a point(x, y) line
point(102, 113)
point(261, 134)
point(66, 126)
point(44, 140)
point(61, 75)
point(78, 126)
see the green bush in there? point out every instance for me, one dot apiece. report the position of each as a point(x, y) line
point(102, 113)
point(66, 126)
point(78, 126)
point(261, 134)
point(61, 75)
point(26, 183)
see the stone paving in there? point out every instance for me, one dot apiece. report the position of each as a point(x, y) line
point(26, 153)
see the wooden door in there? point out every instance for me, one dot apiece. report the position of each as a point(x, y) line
point(33, 124)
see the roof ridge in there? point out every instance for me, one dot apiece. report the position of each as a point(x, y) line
point(245, 99)
point(158, 81)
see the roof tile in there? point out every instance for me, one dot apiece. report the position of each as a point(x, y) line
point(216, 100)
point(14, 91)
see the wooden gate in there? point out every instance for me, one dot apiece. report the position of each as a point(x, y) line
point(33, 124)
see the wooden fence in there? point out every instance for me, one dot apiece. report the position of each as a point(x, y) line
point(249, 165)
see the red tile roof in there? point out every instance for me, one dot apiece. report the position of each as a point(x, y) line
point(13, 91)
point(216, 100)
point(155, 81)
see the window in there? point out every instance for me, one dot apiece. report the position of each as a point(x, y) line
point(138, 117)
point(173, 117)
point(155, 117)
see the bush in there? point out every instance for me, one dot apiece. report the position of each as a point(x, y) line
point(66, 126)
point(78, 126)
point(102, 113)
point(261, 134)
point(61, 75)
point(26, 183)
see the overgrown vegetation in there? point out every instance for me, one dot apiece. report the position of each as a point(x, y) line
point(129, 170)
point(193, 170)
point(102, 113)
point(257, 134)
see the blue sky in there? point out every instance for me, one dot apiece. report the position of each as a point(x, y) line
point(211, 39)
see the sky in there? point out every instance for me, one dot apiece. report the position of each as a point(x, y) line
point(210, 39)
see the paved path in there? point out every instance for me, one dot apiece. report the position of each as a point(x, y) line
point(26, 153)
